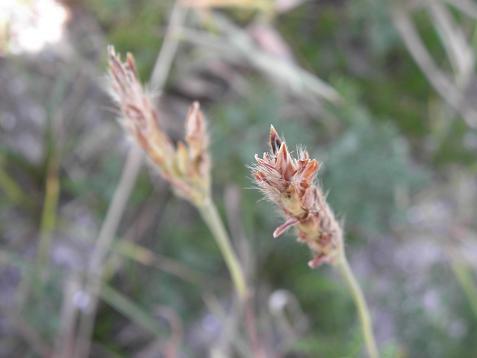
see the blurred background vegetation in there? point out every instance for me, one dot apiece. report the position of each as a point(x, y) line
point(384, 93)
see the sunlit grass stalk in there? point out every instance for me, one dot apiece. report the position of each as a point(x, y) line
point(289, 183)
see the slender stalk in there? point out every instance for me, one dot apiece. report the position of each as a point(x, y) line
point(117, 207)
point(48, 216)
point(359, 300)
point(465, 280)
point(211, 217)
point(169, 48)
point(93, 280)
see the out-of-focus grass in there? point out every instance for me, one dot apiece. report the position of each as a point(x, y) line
point(391, 127)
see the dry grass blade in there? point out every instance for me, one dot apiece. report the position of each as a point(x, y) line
point(460, 54)
point(451, 87)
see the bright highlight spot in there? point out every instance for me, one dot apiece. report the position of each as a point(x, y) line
point(28, 26)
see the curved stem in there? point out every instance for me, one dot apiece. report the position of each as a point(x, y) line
point(359, 300)
point(211, 217)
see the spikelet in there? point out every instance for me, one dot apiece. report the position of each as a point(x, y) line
point(289, 183)
point(185, 166)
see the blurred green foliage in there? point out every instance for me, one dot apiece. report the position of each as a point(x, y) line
point(367, 163)
point(367, 145)
point(134, 26)
point(366, 168)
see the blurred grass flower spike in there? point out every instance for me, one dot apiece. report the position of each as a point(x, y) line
point(185, 166)
point(290, 184)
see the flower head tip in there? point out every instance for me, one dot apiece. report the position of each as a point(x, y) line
point(288, 182)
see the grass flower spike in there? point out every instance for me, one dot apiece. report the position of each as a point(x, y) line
point(290, 184)
point(185, 166)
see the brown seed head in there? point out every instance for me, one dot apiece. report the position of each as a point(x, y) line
point(289, 183)
point(197, 139)
point(186, 166)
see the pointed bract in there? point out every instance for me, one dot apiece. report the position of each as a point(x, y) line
point(274, 141)
point(284, 227)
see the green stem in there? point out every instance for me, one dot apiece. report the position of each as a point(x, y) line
point(359, 300)
point(466, 281)
point(14, 193)
point(48, 216)
point(211, 217)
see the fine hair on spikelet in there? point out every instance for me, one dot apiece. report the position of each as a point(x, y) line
point(289, 182)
